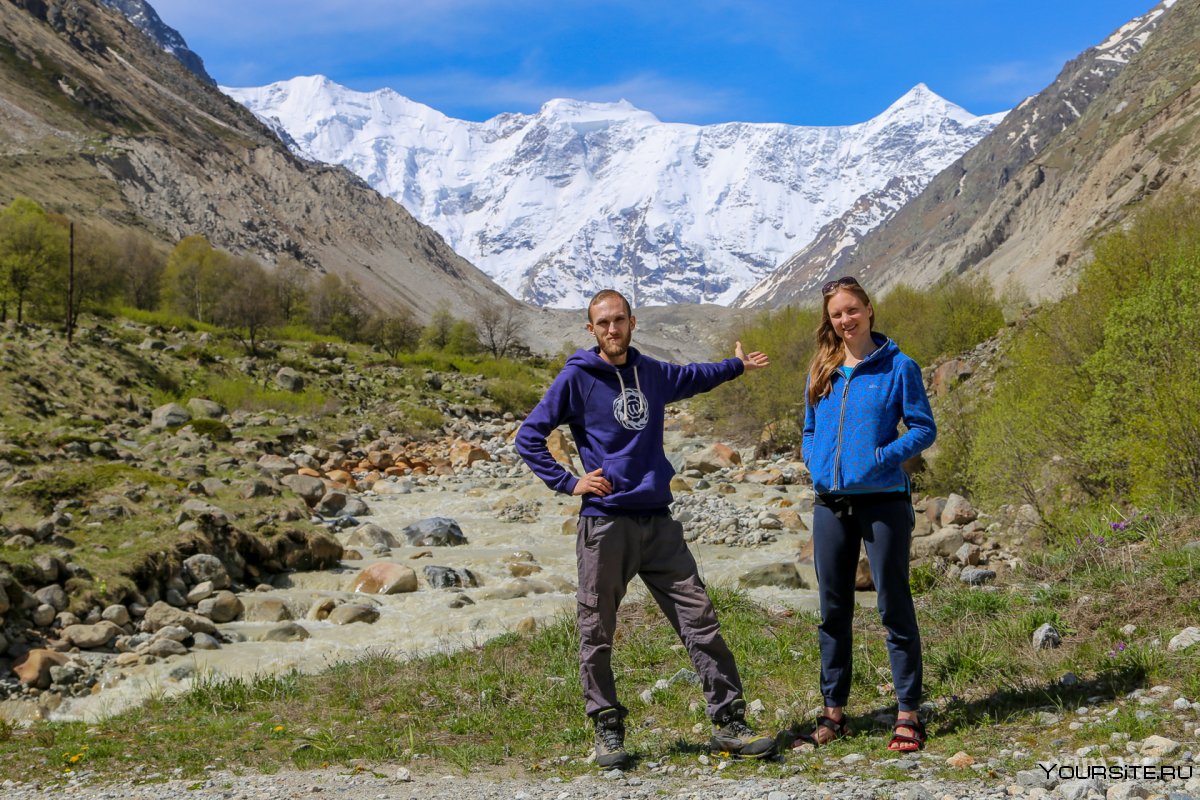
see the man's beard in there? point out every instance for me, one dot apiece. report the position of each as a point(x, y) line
point(615, 349)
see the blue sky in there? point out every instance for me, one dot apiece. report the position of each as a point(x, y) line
point(700, 61)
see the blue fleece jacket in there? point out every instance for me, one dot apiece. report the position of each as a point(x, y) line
point(616, 416)
point(851, 443)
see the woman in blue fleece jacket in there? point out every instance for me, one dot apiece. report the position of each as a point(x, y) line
point(860, 387)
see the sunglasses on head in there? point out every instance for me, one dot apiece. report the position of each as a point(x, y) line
point(833, 285)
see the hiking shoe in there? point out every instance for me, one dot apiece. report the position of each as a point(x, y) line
point(610, 739)
point(732, 735)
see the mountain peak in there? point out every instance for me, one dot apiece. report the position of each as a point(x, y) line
point(592, 111)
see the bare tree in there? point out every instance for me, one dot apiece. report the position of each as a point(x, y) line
point(141, 267)
point(293, 283)
point(498, 327)
point(395, 333)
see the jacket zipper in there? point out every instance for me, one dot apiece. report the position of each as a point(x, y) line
point(837, 453)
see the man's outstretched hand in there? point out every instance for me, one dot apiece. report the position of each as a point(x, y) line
point(755, 360)
point(593, 483)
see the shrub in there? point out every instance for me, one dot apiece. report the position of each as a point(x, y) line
point(513, 396)
point(214, 429)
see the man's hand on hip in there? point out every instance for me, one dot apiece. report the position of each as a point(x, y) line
point(593, 483)
point(755, 360)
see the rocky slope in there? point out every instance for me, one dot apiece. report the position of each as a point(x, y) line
point(98, 122)
point(582, 196)
point(1023, 204)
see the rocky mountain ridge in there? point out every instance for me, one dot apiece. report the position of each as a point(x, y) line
point(1015, 207)
point(99, 123)
point(581, 196)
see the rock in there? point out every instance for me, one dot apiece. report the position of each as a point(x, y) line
point(1186, 638)
point(265, 609)
point(562, 449)
point(276, 466)
point(255, 488)
point(1080, 789)
point(201, 408)
point(1046, 637)
point(200, 591)
point(202, 641)
point(205, 567)
point(713, 458)
point(89, 637)
point(289, 380)
point(968, 554)
point(43, 615)
point(434, 532)
point(464, 454)
point(161, 615)
point(370, 534)
point(163, 648)
point(449, 577)
point(523, 569)
point(958, 511)
point(116, 614)
point(949, 374)
point(974, 576)
point(527, 626)
point(321, 608)
point(933, 510)
point(960, 760)
point(169, 416)
point(284, 632)
point(311, 490)
point(332, 503)
point(1159, 746)
point(33, 668)
point(351, 612)
point(782, 574)
point(945, 543)
point(225, 606)
point(52, 595)
point(385, 578)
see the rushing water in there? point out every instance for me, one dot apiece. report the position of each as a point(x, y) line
point(423, 621)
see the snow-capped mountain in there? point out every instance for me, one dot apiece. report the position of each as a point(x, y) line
point(582, 196)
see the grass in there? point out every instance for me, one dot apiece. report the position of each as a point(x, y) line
point(514, 702)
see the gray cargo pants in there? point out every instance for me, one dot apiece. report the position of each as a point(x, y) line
point(609, 552)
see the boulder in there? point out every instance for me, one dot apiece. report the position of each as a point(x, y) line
point(169, 416)
point(266, 609)
point(434, 532)
point(958, 511)
point(163, 648)
point(464, 454)
point(224, 606)
point(713, 458)
point(289, 380)
point(945, 542)
point(1046, 637)
point(116, 614)
point(782, 574)
point(1185, 639)
point(350, 613)
point(284, 632)
point(33, 668)
point(310, 489)
point(161, 615)
point(206, 567)
point(562, 449)
point(89, 637)
point(385, 578)
point(449, 577)
point(369, 534)
point(201, 408)
point(321, 609)
point(276, 466)
point(53, 596)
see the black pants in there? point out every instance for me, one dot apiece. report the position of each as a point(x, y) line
point(885, 526)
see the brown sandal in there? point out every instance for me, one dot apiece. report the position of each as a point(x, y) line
point(838, 727)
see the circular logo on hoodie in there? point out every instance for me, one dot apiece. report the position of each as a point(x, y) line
point(629, 408)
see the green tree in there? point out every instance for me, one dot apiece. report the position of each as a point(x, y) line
point(395, 333)
point(196, 277)
point(463, 338)
point(32, 249)
point(337, 307)
point(436, 335)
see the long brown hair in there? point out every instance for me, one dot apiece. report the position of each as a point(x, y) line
point(830, 351)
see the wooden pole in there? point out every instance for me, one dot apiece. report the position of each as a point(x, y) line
point(71, 285)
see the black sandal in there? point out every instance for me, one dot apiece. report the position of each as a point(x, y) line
point(917, 736)
point(839, 728)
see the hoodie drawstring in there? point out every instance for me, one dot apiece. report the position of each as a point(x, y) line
point(624, 399)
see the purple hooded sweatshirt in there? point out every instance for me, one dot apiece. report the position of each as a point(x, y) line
point(616, 416)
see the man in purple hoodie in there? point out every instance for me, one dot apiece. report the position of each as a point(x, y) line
point(614, 399)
